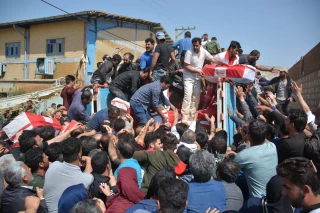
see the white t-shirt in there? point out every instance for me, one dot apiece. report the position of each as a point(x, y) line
point(224, 56)
point(203, 43)
point(195, 60)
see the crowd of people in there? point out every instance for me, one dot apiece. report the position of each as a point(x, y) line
point(115, 162)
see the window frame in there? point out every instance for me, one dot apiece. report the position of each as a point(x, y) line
point(13, 44)
point(48, 42)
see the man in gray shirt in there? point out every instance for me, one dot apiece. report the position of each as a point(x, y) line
point(78, 108)
point(60, 176)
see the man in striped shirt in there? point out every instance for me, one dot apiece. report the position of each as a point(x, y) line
point(151, 96)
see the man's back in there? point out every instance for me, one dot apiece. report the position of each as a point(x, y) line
point(59, 177)
point(77, 109)
point(291, 147)
point(234, 196)
point(103, 73)
point(67, 94)
point(144, 94)
point(164, 51)
point(244, 59)
point(98, 119)
point(202, 196)
point(258, 164)
point(13, 199)
point(124, 80)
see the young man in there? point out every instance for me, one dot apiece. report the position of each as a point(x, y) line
point(193, 62)
point(60, 176)
point(293, 146)
point(183, 44)
point(126, 84)
point(252, 58)
point(146, 57)
point(283, 89)
point(160, 60)
point(231, 55)
point(67, 93)
point(151, 95)
point(38, 162)
point(213, 47)
point(78, 108)
point(300, 184)
point(204, 40)
point(104, 73)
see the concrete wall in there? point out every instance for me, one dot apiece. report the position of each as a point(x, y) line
point(307, 72)
point(25, 86)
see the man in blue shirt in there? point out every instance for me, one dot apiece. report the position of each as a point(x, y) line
point(146, 57)
point(183, 44)
point(151, 95)
point(78, 108)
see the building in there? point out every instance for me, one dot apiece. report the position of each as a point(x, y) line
point(307, 72)
point(68, 39)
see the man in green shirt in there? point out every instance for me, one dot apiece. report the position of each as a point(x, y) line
point(38, 162)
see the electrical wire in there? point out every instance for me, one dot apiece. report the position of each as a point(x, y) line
point(91, 23)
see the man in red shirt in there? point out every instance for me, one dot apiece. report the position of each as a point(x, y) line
point(68, 91)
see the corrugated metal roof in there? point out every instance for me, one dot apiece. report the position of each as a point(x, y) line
point(90, 14)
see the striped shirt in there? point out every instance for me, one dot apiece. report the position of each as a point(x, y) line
point(150, 95)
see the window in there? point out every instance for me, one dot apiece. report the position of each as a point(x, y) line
point(55, 46)
point(13, 50)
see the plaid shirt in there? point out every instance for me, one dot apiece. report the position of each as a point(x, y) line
point(150, 95)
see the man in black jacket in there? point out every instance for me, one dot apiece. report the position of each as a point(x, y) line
point(282, 89)
point(104, 73)
point(127, 65)
point(126, 84)
point(18, 176)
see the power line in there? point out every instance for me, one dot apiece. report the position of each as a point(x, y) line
point(90, 23)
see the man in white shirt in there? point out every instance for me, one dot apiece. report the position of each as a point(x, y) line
point(205, 40)
point(193, 63)
point(231, 55)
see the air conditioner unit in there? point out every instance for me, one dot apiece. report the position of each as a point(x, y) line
point(3, 69)
point(45, 66)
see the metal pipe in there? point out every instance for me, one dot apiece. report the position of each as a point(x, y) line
point(135, 41)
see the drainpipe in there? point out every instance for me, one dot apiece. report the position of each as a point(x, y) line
point(25, 36)
point(135, 41)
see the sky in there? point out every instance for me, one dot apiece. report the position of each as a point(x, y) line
point(282, 30)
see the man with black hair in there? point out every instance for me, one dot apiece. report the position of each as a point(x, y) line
point(100, 118)
point(252, 58)
point(152, 141)
point(78, 108)
point(60, 176)
point(102, 174)
point(192, 73)
point(160, 61)
point(54, 152)
point(104, 73)
point(228, 173)
point(67, 93)
point(151, 95)
point(204, 40)
point(29, 139)
point(231, 55)
point(218, 147)
point(293, 146)
point(300, 184)
point(126, 84)
point(118, 125)
point(183, 44)
point(38, 162)
point(213, 47)
point(46, 133)
point(258, 162)
point(87, 144)
point(125, 150)
point(127, 65)
point(146, 57)
point(172, 196)
point(156, 160)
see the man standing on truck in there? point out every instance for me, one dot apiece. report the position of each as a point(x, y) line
point(252, 58)
point(192, 73)
point(146, 57)
point(213, 47)
point(183, 44)
point(231, 55)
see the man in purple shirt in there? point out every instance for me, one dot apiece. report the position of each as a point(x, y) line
point(77, 110)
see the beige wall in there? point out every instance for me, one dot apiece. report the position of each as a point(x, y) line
point(8, 35)
point(73, 33)
point(14, 71)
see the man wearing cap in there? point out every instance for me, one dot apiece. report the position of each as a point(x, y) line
point(160, 61)
point(282, 89)
point(252, 58)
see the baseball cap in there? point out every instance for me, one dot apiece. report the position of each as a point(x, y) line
point(160, 35)
point(283, 70)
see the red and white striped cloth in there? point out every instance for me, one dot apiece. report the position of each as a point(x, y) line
point(124, 106)
point(28, 121)
point(239, 73)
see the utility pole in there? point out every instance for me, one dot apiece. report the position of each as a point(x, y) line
point(183, 30)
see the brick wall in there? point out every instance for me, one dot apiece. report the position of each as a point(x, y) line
point(307, 72)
